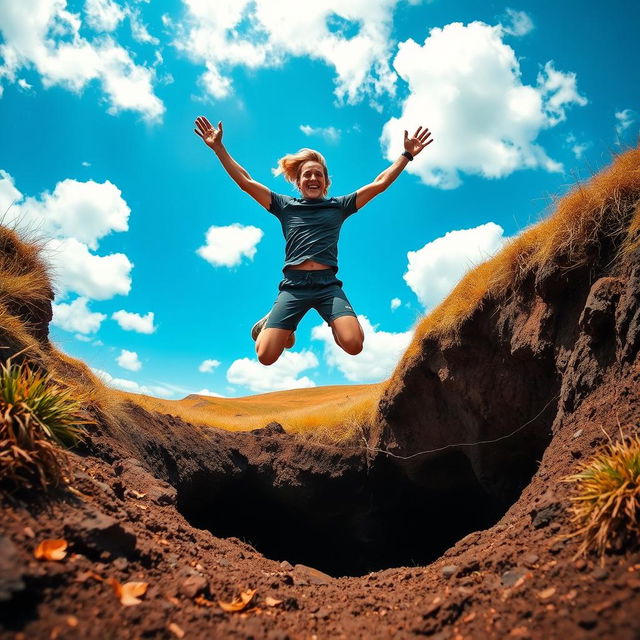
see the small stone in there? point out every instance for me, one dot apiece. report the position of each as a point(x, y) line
point(520, 632)
point(509, 578)
point(193, 586)
point(577, 434)
point(587, 619)
point(286, 566)
point(580, 565)
point(120, 563)
point(449, 571)
point(311, 575)
point(545, 516)
point(530, 559)
point(600, 573)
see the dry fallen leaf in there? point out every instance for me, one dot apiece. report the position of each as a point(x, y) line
point(176, 630)
point(51, 550)
point(272, 602)
point(240, 603)
point(85, 575)
point(128, 593)
point(203, 602)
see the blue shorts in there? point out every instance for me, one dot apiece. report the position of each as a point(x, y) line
point(300, 290)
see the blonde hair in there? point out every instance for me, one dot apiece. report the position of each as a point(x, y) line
point(290, 165)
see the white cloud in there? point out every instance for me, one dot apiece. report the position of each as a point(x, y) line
point(87, 211)
point(103, 15)
point(139, 30)
point(206, 392)
point(44, 35)
point(75, 216)
point(395, 303)
point(624, 119)
point(465, 85)
point(283, 374)
point(354, 38)
point(207, 366)
point(129, 360)
point(577, 148)
point(23, 84)
point(132, 386)
point(75, 268)
point(76, 316)
point(376, 361)
point(226, 246)
point(436, 268)
point(517, 23)
point(330, 134)
point(134, 321)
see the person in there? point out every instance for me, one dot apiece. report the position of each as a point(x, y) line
point(311, 226)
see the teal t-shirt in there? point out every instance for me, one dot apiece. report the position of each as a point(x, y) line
point(311, 227)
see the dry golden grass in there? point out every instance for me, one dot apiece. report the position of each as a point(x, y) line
point(607, 208)
point(332, 411)
point(606, 504)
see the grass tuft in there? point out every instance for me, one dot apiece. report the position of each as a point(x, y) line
point(38, 418)
point(607, 501)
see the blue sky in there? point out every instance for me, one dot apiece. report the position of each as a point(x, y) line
point(98, 155)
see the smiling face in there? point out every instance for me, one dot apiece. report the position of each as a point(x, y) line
point(311, 180)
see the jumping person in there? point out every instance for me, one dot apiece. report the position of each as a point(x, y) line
point(311, 226)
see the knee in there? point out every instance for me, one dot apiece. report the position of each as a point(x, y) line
point(266, 356)
point(353, 346)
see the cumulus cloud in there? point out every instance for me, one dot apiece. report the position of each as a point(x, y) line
point(76, 316)
point(207, 366)
point(75, 268)
point(76, 215)
point(103, 15)
point(466, 82)
point(283, 374)
point(132, 386)
point(354, 38)
point(436, 268)
point(517, 23)
point(577, 148)
point(226, 246)
point(134, 321)
point(376, 361)
point(206, 392)
point(395, 303)
point(44, 35)
point(624, 119)
point(330, 134)
point(129, 360)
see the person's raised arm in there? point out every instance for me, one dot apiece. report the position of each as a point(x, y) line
point(212, 137)
point(412, 147)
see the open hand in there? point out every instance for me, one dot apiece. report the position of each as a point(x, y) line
point(418, 142)
point(211, 136)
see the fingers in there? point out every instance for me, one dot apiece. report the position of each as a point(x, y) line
point(406, 134)
point(220, 126)
point(197, 133)
point(204, 125)
point(417, 133)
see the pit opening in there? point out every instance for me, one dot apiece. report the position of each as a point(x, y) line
point(355, 523)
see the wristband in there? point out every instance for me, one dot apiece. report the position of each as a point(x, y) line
point(407, 155)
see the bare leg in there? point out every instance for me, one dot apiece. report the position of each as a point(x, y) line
point(348, 334)
point(270, 344)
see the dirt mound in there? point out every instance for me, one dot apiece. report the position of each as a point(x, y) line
point(444, 519)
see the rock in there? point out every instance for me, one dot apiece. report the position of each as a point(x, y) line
point(101, 533)
point(542, 517)
point(193, 585)
point(600, 573)
point(509, 578)
point(310, 575)
point(599, 309)
point(135, 476)
point(530, 559)
point(272, 429)
point(286, 566)
point(449, 571)
point(11, 571)
point(587, 619)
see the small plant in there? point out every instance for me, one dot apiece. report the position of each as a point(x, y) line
point(37, 419)
point(606, 507)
